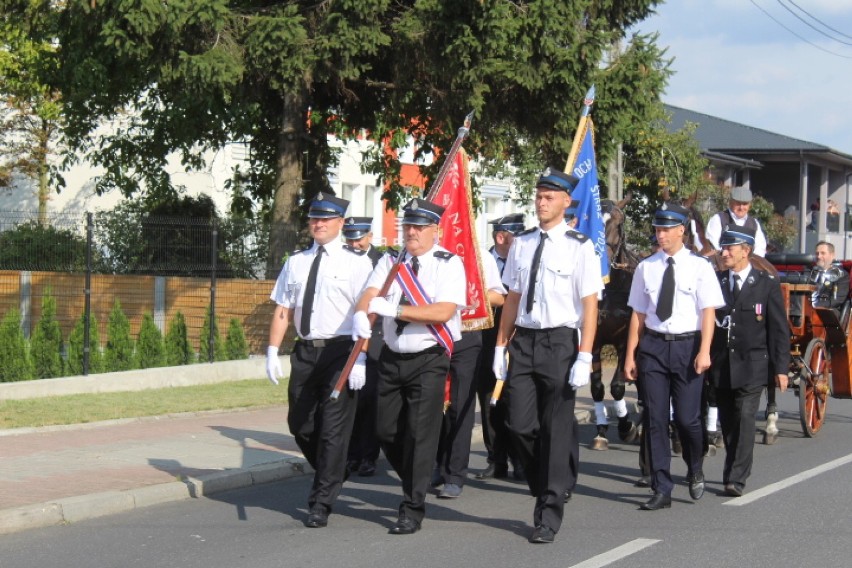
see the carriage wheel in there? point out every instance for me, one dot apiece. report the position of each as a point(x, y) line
point(814, 388)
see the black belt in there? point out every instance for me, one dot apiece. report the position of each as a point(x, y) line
point(435, 349)
point(672, 336)
point(324, 342)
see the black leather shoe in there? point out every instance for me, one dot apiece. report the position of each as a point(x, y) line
point(494, 471)
point(567, 495)
point(367, 468)
point(696, 486)
point(404, 526)
point(658, 501)
point(317, 517)
point(542, 535)
point(733, 490)
point(644, 481)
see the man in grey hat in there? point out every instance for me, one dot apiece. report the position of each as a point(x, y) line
point(674, 296)
point(317, 290)
point(736, 215)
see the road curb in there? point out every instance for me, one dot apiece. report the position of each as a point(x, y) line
point(92, 506)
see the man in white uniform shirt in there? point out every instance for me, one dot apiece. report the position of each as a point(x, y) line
point(554, 277)
point(674, 296)
point(318, 288)
point(414, 363)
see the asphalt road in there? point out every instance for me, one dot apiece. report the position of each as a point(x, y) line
point(795, 513)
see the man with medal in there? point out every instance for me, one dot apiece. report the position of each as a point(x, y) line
point(751, 340)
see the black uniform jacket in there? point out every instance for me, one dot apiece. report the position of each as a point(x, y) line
point(757, 344)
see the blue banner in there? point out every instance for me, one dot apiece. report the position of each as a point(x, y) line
point(589, 219)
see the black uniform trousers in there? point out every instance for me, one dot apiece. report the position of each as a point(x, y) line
point(457, 425)
point(495, 434)
point(321, 427)
point(667, 373)
point(411, 401)
point(541, 416)
point(737, 409)
point(364, 445)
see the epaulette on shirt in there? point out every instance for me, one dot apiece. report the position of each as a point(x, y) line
point(528, 231)
point(392, 252)
point(693, 253)
point(354, 250)
point(443, 255)
point(576, 235)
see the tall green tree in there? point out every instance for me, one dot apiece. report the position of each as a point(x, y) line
point(30, 102)
point(186, 76)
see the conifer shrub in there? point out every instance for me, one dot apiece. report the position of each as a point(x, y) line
point(204, 341)
point(118, 354)
point(236, 346)
point(150, 350)
point(178, 350)
point(74, 363)
point(15, 363)
point(46, 342)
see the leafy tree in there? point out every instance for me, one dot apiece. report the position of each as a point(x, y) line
point(46, 342)
point(31, 107)
point(236, 346)
point(76, 344)
point(15, 363)
point(118, 354)
point(187, 77)
point(150, 351)
point(35, 246)
point(219, 353)
point(178, 350)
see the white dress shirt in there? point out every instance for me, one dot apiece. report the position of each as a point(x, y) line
point(696, 288)
point(569, 271)
point(443, 280)
point(340, 281)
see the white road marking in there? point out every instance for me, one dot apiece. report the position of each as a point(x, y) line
point(753, 496)
point(616, 554)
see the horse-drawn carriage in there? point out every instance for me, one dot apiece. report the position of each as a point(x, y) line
point(820, 342)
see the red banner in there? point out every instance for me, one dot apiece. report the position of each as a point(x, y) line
point(458, 235)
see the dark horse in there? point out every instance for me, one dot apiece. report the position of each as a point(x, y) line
point(613, 322)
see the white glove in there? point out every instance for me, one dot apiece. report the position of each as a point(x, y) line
point(273, 365)
point(361, 326)
point(358, 374)
point(382, 307)
point(499, 365)
point(581, 371)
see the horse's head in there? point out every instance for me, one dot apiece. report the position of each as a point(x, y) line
point(614, 217)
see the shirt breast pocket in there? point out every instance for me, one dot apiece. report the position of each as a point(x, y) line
point(336, 283)
point(687, 287)
point(559, 274)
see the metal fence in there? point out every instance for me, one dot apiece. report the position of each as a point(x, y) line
point(159, 265)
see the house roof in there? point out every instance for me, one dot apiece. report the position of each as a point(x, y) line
point(727, 137)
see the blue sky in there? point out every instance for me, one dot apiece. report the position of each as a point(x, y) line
point(733, 61)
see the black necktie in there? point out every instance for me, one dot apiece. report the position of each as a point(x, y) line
point(665, 302)
point(536, 263)
point(736, 291)
point(400, 324)
point(310, 291)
